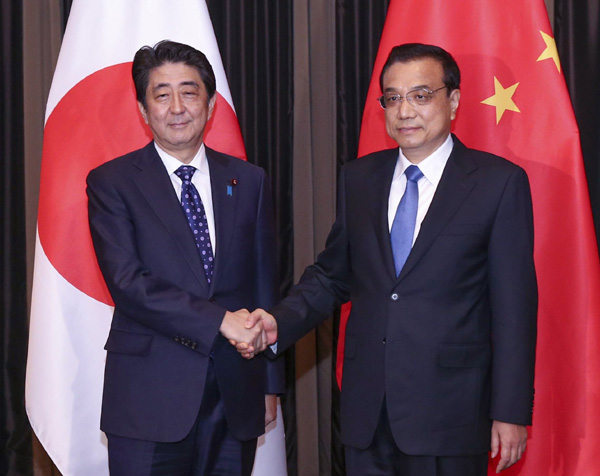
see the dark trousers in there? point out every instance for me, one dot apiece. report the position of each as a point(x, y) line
point(384, 458)
point(208, 450)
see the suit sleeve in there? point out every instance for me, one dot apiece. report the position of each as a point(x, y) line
point(142, 296)
point(323, 285)
point(513, 303)
point(266, 287)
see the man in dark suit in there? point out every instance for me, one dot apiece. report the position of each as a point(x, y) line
point(433, 244)
point(184, 235)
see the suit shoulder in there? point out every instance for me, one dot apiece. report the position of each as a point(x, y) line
point(119, 165)
point(492, 161)
point(466, 154)
point(234, 163)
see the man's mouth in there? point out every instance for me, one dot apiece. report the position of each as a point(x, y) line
point(408, 129)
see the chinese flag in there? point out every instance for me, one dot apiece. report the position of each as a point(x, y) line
point(514, 103)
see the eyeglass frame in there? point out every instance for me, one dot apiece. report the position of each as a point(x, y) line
point(381, 99)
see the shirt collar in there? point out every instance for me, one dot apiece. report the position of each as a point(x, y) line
point(199, 162)
point(432, 167)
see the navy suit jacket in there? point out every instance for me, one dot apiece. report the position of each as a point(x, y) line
point(167, 318)
point(450, 343)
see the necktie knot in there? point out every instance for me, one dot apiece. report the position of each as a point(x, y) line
point(185, 173)
point(413, 173)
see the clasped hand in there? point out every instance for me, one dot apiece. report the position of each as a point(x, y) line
point(250, 333)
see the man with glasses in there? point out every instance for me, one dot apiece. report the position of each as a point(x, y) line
point(433, 245)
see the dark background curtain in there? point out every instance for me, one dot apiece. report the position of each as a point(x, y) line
point(358, 29)
point(65, 9)
point(15, 433)
point(577, 33)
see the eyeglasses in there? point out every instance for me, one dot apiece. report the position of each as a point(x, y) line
point(420, 97)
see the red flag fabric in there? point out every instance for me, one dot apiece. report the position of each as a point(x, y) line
point(92, 117)
point(514, 103)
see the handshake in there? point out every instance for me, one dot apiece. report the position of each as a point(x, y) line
point(249, 332)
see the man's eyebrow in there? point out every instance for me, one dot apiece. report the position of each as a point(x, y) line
point(413, 88)
point(189, 83)
point(183, 83)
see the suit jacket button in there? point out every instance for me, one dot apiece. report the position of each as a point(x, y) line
point(194, 345)
point(384, 340)
point(394, 297)
point(177, 339)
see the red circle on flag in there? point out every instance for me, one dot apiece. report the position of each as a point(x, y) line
point(96, 121)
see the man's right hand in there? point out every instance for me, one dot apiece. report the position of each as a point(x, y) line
point(261, 319)
point(234, 327)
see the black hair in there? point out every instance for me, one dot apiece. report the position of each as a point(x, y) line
point(416, 51)
point(148, 58)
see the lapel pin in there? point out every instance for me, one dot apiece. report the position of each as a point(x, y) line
point(230, 187)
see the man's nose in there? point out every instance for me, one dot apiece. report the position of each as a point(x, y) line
point(405, 109)
point(177, 106)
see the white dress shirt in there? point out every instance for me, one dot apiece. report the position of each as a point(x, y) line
point(200, 179)
point(432, 168)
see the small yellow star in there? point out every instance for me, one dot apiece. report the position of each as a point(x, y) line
point(550, 51)
point(502, 99)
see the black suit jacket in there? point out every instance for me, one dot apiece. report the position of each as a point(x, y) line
point(450, 343)
point(166, 317)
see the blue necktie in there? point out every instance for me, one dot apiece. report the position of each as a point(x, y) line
point(196, 216)
point(403, 227)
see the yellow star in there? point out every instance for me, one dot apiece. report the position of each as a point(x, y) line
point(550, 51)
point(502, 99)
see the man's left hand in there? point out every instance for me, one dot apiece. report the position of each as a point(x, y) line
point(270, 409)
point(510, 440)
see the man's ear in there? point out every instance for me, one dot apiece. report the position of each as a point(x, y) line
point(454, 101)
point(211, 105)
point(143, 112)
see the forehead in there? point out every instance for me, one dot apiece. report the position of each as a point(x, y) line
point(416, 73)
point(172, 74)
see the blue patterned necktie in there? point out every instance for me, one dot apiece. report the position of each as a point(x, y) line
point(196, 216)
point(403, 227)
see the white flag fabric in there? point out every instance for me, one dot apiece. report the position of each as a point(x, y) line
point(92, 117)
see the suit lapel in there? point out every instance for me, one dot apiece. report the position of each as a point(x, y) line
point(454, 187)
point(224, 207)
point(156, 187)
point(379, 191)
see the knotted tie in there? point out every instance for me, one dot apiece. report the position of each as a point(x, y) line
point(403, 227)
point(196, 216)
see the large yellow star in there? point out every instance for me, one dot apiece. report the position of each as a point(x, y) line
point(502, 99)
point(550, 51)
